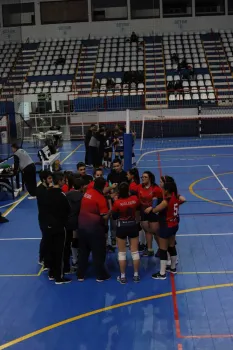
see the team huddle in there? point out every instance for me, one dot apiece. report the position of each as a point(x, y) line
point(80, 214)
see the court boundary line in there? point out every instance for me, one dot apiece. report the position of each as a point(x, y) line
point(113, 307)
point(191, 190)
point(15, 204)
point(181, 148)
point(221, 184)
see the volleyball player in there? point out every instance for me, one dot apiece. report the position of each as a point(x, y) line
point(108, 149)
point(119, 142)
point(68, 178)
point(169, 224)
point(134, 181)
point(42, 203)
point(98, 172)
point(124, 212)
point(149, 193)
point(74, 197)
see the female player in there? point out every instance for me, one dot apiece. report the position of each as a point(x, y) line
point(108, 149)
point(134, 181)
point(119, 144)
point(169, 224)
point(98, 172)
point(124, 211)
point(149, 193)
point(69, 181)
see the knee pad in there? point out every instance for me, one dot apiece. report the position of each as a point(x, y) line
point(172, 251)
point(163, 254)
point(135, 255)
point(75, 243)
point(121, 256)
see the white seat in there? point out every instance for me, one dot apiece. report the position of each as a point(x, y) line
point(203, 96)
point(195, 97)
point(211, 96)
point(187, 97)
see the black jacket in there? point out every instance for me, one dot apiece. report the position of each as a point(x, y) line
point(74, 198)
point(42, 203)
point(117, 178)
point(88, 137)
point(58, 209)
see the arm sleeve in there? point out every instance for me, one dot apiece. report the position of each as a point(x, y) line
point(16, 163)
point(102, 205)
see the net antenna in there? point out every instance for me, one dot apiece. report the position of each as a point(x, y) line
point(151, 118)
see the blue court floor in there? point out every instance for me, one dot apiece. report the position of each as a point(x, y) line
point(192, 310)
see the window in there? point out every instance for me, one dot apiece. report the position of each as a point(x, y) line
point(144, 9)
point(179, 8)
point(210, 7)
point(230, 7)
point(105, 10)
point(53, 12)
point(22, 14)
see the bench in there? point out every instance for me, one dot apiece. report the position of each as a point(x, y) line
point(47, 158)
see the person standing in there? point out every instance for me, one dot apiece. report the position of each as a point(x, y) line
point(81, 173)
point(58, 214)
point(74, 197)
point(24, 162)
point(116, 176)
point(42, 203)
point(92, 217)
point(87, 139)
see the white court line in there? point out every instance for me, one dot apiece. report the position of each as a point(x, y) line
point(175, 166)
point(221, 184)
point(178, 235)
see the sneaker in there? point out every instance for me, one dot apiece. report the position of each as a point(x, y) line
point(106, 278)
point(51, 278)
point(169, 269)
point(121, 280)
point(16, 193)
point(80, 279)
point(157, 276)
point(157, 254)
point(136, 279)
point(148, 253)
point(31, 197)
point(63, 281)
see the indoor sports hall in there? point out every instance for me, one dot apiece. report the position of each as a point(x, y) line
point(157, 75)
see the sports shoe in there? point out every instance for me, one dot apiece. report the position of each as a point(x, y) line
point(51, 278)
point(169, 269)
point(136, 279)
point(31, 197)
point(105, 278)
point(63, 281)
point(148, 253)
point(157, 276)
point(121, 280)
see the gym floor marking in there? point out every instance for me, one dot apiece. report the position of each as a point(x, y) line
point(206, 199)
point(117, 306)
point(15, 204)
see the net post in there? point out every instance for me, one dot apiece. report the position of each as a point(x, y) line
point(128, 144)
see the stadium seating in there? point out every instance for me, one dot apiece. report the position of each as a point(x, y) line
point(32, 68)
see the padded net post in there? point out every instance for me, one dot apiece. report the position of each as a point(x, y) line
point(128, 143)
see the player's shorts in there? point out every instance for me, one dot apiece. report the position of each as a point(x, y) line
point(151, 217)
point(127, 229)
point(108, 150)
point(167, 232)
point(119, 149)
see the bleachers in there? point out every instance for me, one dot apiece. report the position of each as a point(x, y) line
point(31, 68)
point(196, 87)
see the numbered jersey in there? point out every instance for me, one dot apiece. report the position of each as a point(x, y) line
point(108, 143)
point(120, 144)
point(124, 209)
point(170, 215)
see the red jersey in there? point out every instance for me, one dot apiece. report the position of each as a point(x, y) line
point(93, 206)
point(133, 188)
point(146, 195)
point(125, 208)
point(91, 185)
point(170, 215)
point(65, 188)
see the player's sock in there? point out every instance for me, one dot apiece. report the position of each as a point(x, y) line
point(122, 275)
point(135, 274)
